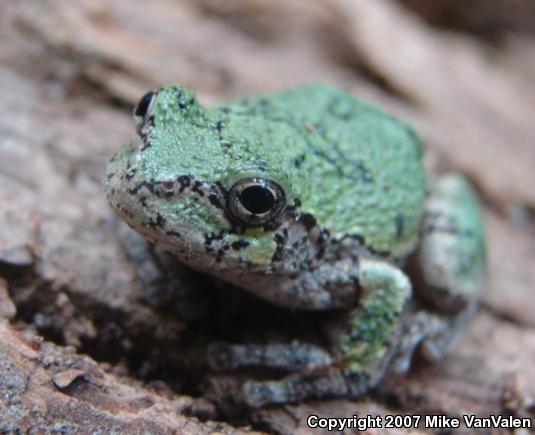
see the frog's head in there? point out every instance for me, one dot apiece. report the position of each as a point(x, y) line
point(214, 186)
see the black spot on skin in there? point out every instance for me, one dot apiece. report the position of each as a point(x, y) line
point(158, 223)
point(225, 144)
point(219, 126)
point(279, 240)
point(355, 280)
point(143, 201)
point(353, 169)
point(357, 237)
point(297, 202)
point(308, 221)
point(240, 244)
point(298, 161)
point(160, 220)
point(214, 200)
point(209, 238)
point(362, 242)
point(184, 105)
point(307, 264)
point(184, 181)
point(177, 92)
point(134, 190)
point(173, 233)
point(197, 188)
point(270, 226)
point(365, 174)
point(221, 187)
point(320, 252)
point(322, 237)
point(400, 225)
point(150, 185)
point(378, 252)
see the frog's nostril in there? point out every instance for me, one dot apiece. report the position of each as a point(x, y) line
point(168, 185)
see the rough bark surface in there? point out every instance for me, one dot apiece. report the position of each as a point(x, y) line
point(91, 332)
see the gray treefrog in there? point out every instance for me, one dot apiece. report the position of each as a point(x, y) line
point(313, 200)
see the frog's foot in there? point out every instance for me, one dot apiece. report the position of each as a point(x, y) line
point(230, 388)
point(428, 333)
point(363, 343)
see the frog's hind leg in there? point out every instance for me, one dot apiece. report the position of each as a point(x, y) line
point(364, 342)
point(451, 257)
point(449, 268)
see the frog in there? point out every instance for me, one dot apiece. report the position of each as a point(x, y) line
point(313, 200)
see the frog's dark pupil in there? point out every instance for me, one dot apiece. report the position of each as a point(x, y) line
point(257, 199)
point(143, 105)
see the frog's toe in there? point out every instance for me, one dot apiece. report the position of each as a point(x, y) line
point(294, 388)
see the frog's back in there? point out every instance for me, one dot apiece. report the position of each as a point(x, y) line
point(360, 168)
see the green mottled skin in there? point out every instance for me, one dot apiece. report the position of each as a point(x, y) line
point(357, 204)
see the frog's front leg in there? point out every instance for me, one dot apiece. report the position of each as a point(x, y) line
point(363, 343)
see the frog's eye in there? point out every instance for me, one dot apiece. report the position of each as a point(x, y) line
point(144, 107)
point(255, 201)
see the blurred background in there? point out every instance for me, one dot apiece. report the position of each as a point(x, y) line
point(70, 72)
